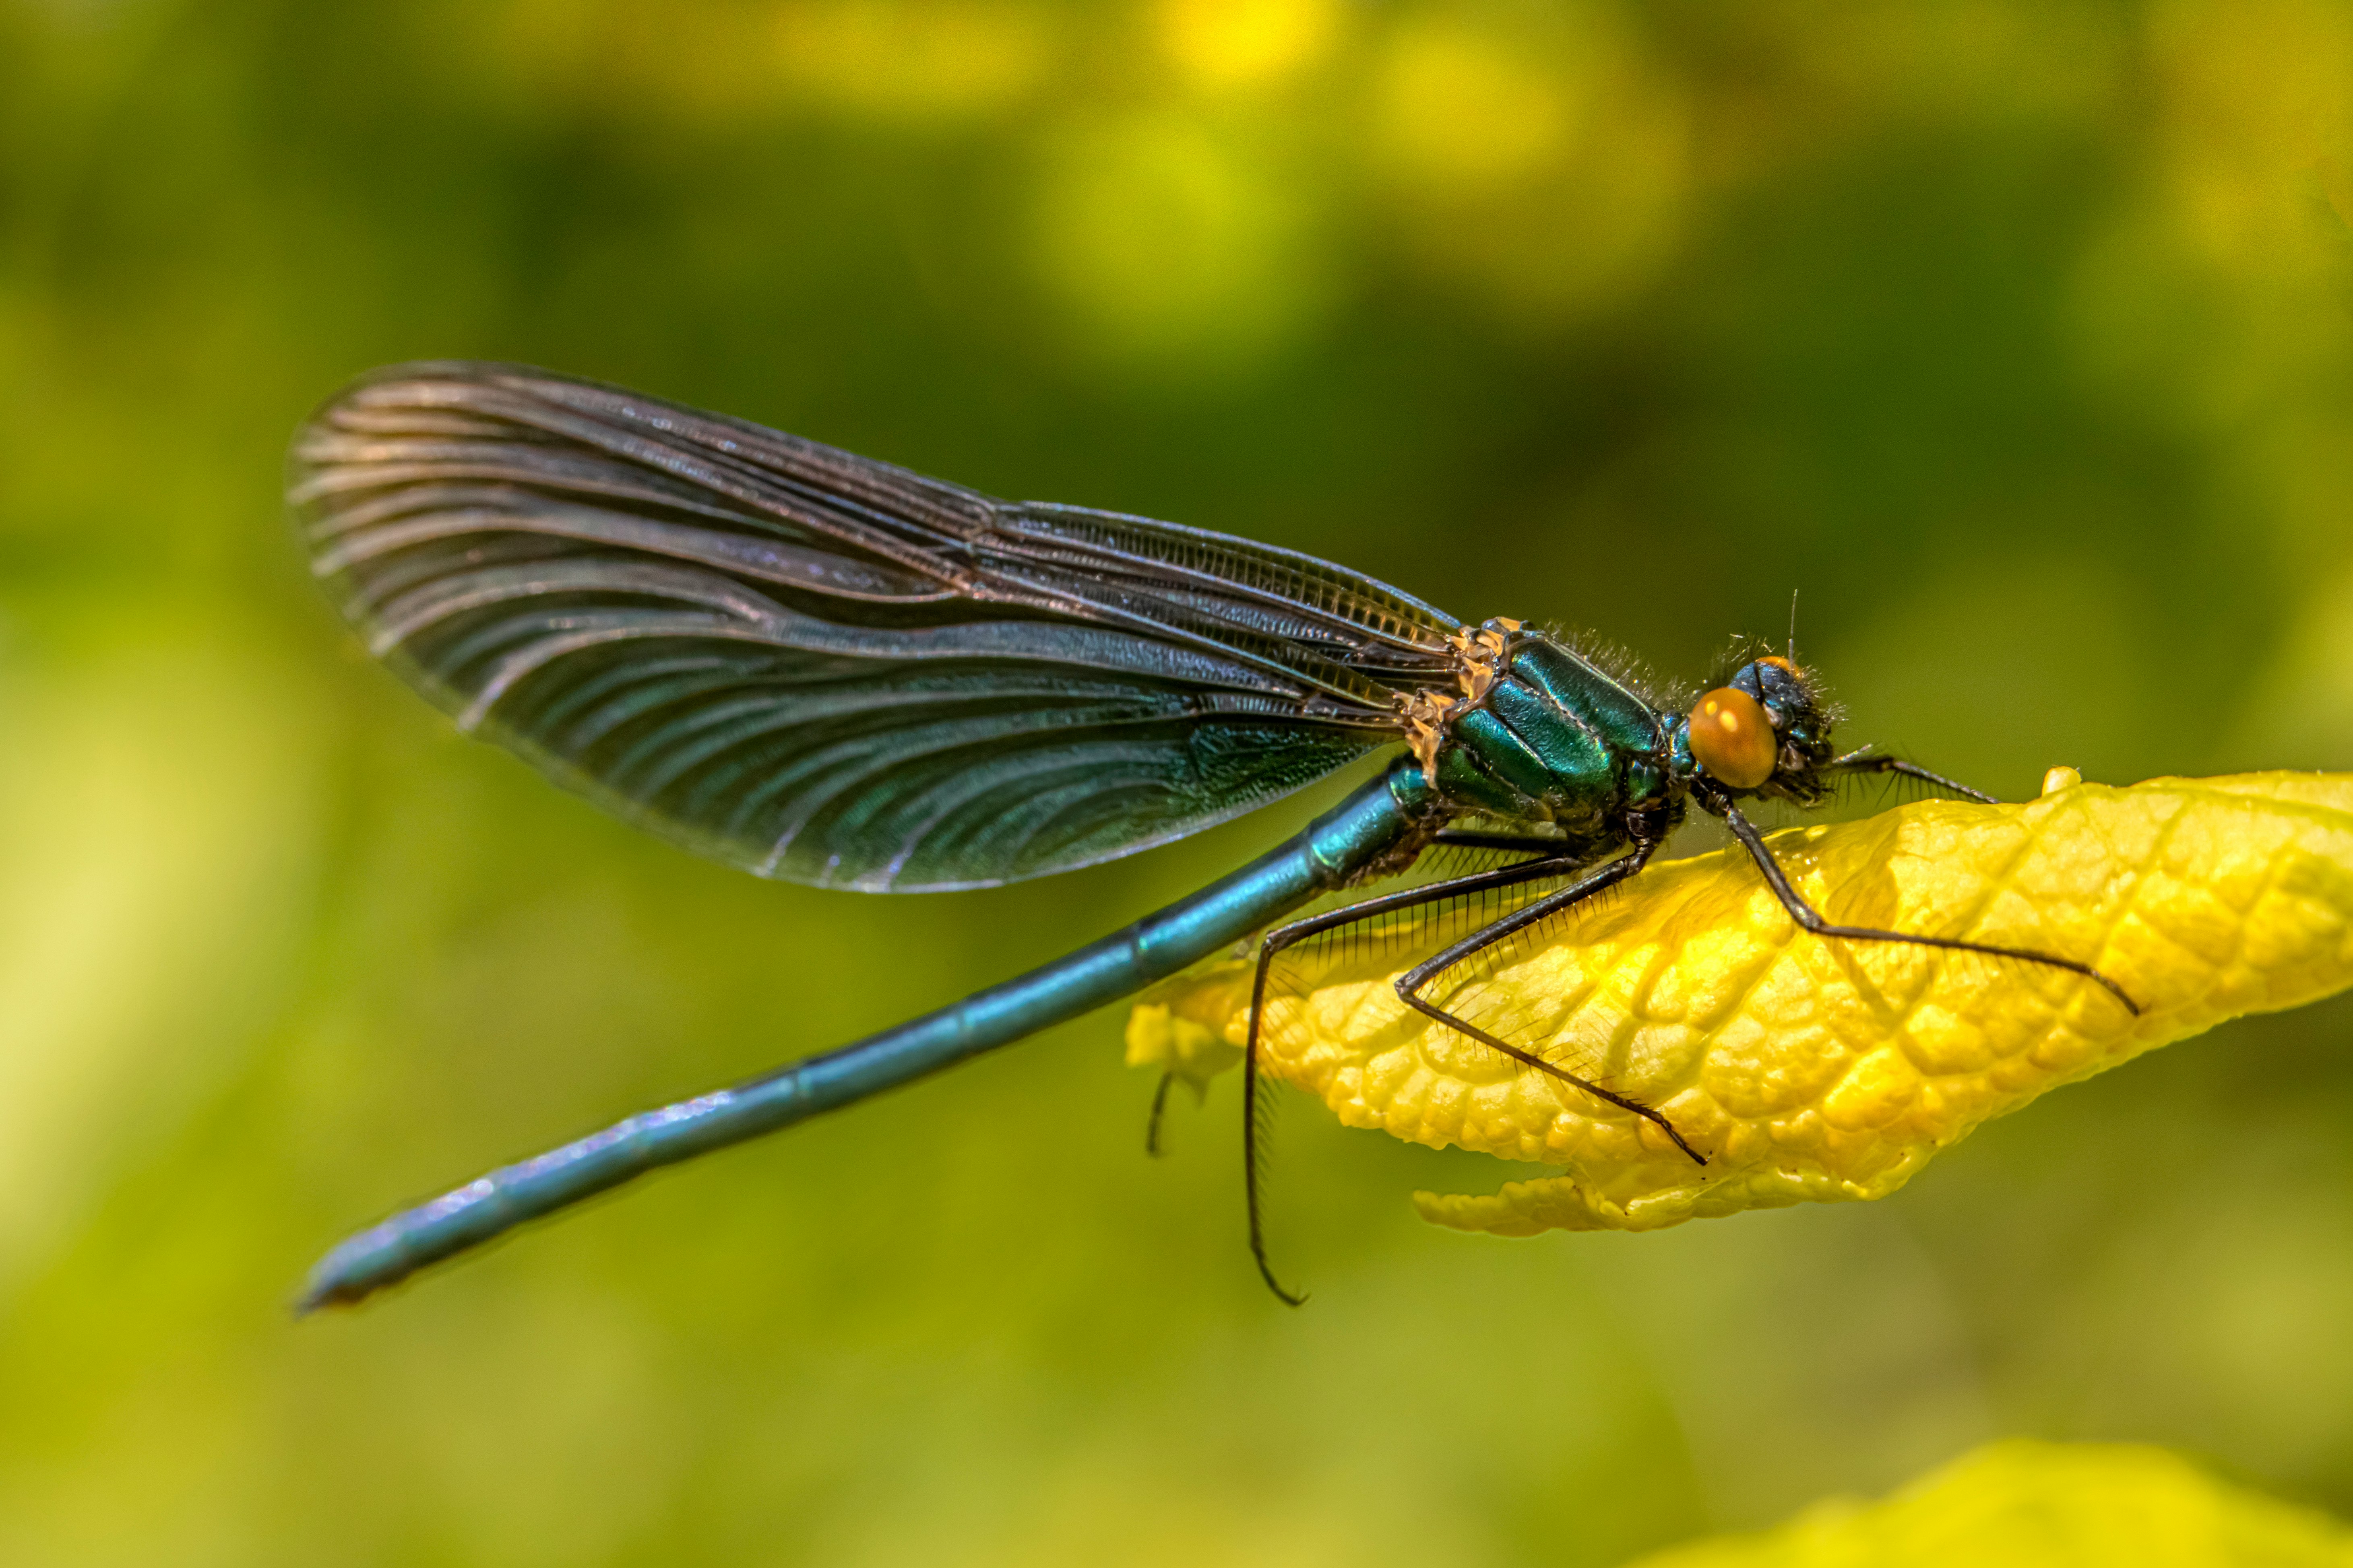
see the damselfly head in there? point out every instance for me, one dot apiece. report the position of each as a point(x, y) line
point(1765, 729)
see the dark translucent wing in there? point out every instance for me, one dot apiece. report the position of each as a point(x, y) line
point(822, 668)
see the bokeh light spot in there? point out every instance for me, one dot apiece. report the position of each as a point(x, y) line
point(1460, 108)
point(1546, 167)
point(1169, 248)
point(1232, 43)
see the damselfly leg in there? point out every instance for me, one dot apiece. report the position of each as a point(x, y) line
point(1868, 761)
point(1553, 865)
point(1409, 984)
point(1553, 857)
point(1159, 1112)
point(1813, 921)
point(1275, 941)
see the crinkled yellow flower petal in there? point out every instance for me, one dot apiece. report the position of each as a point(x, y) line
point(2044, 1505)
point(1807, 1068)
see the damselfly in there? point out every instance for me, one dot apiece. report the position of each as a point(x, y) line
point(827, 670)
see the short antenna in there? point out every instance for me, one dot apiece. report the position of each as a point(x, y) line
point(1793, 626)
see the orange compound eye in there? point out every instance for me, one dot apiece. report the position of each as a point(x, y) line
point(1733, 738)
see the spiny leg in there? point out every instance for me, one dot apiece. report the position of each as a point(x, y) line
point(1409, 984)
point(1522, 843)
point(1159, 1110)
point(1866, 761)
point(1282, 937)
point(1807, 916)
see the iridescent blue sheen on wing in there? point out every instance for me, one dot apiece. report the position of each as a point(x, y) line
point(822, 668)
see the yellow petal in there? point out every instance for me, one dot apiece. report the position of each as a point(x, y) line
point(1183, 1034)
point(2044, 1505)
point(1806, 1068)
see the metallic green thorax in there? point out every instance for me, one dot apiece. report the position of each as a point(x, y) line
point(1555, 738)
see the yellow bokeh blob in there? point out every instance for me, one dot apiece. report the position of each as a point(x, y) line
point(1540, 159)
point(2044, 1505)
point(1807, 1068)
point(1238, 43)
point(1460, 107)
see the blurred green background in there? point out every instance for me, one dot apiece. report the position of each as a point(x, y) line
point(2018, 336)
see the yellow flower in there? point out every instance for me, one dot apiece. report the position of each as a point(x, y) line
point(1805, 1068)
point(2044, 1505)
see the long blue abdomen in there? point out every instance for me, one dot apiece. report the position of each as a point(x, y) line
point(1373, 820)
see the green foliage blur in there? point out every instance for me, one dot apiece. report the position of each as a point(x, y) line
point(2017, 336)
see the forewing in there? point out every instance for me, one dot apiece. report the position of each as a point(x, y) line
point(822, 668)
